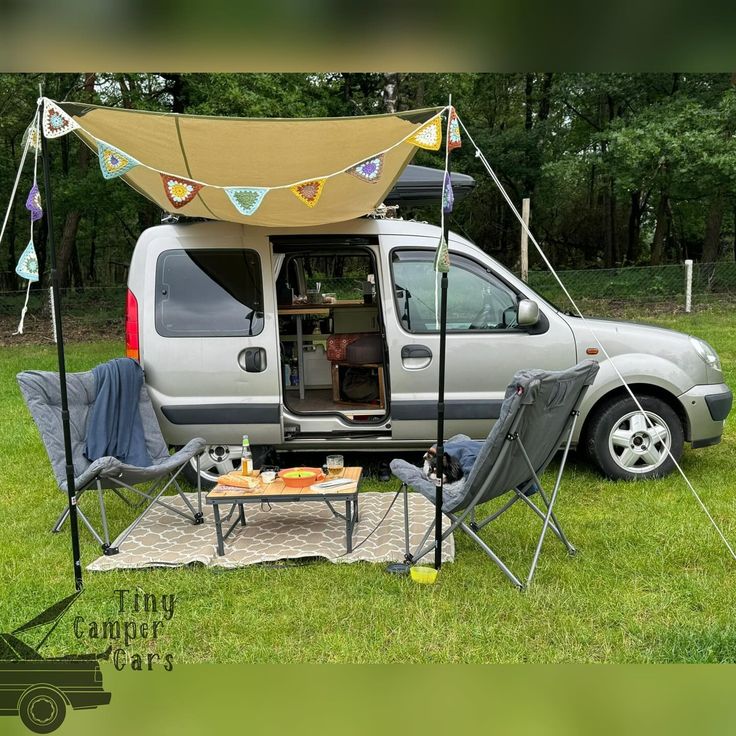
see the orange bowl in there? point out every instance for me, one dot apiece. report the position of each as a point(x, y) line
point(301, 477)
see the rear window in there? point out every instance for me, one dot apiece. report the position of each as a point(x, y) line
point(209, 293)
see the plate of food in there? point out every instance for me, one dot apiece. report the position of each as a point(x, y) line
point(301, 477)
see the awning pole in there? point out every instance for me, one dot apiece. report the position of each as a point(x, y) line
point(441, 386)
point(441, 416)
point(71, 490)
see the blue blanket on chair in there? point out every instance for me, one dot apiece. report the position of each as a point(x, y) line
point(114, 427)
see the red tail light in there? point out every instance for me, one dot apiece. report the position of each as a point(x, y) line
point(132, 349)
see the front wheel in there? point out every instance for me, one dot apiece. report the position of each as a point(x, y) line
point(627, 446)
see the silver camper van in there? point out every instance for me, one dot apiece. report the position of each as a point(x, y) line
point(326, 339)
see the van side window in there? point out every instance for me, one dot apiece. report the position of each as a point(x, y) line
point(209, 293)
point(476, 299)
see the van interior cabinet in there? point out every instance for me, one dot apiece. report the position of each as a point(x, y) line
point(356, 319)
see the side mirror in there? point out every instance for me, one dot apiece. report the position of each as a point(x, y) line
point(528, 313)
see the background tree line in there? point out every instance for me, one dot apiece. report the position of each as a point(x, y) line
point(622, 169)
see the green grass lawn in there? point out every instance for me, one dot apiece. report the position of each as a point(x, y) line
point(652, 581)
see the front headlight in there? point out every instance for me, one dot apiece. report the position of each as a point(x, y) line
point(706, 352)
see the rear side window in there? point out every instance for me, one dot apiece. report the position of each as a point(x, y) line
point(209, 293)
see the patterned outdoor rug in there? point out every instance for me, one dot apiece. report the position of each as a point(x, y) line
point(286, 531)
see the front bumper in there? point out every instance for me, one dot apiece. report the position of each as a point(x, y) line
point(706, 408)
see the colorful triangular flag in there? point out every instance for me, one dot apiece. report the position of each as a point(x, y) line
point(33, 137)
point(113, 161)
point(27, 267)
point(369, 170)
point(56, 122)
point(179, 191)
point(453, 136)
point(246, 201)
point(429, 136)
point(33, 203)
point(309, 192)
point(448, 196)
point(442, 257)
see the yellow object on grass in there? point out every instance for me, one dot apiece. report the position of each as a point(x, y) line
point(423, 575)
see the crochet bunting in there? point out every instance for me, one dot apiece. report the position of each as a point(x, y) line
point(369, 170)
point(429, 136)
point(442, 257)
point(453, 136)
point(246, 201)
point(448, 196)
point(309, 192)
point(113, 161)
point(179, 191)
point(56, 122)
point(33, 137)
point(27, 267)
point(33, 203)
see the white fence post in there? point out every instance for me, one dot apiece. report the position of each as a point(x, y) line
point(688, 285)
point(525, 240)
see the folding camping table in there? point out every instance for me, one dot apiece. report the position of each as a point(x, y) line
point(278, 492)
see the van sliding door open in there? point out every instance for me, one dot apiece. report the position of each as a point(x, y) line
point(331, 341)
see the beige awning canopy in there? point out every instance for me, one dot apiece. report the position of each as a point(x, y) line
point(257, 153)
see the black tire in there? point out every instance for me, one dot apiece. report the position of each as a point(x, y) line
point(625, 447)
point(42, 709)
point(217, 460)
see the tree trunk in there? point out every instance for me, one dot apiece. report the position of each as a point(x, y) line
point(92, 267)
point(712, 242)
point(390, 91)
point(660, 231)
point(544, 101)
point(66, 246)
point(609, 204)
point(528, 89)
point(73, 217)
point(635, 212)
point(177, 88)
point(713, 226)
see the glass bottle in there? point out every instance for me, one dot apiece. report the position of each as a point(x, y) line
point(246, 464)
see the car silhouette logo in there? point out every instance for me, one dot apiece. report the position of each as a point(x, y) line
point(40, 689)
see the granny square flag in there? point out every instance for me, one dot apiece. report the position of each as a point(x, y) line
point(33, 137)
point(33, 203)
point(453, 139)
point(429, 136)
point(368, 170)
point(56, 122)
point(309, 192)
point(113, 162)
point(442, 257)
point(27, 267)
point(180, 191)
point(448, 196)
point(246, 201)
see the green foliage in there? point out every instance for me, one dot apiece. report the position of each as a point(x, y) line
point(604, 157)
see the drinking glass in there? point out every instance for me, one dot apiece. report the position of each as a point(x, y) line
point(335, 465)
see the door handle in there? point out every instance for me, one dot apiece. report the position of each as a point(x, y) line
point(415, 357)
point(415, 351)
point(252, 360)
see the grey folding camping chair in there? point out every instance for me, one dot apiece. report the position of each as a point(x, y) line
point(537, 417)
point(41, 391)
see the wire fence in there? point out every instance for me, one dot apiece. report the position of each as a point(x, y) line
point(619, 292)
point(603, 290)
